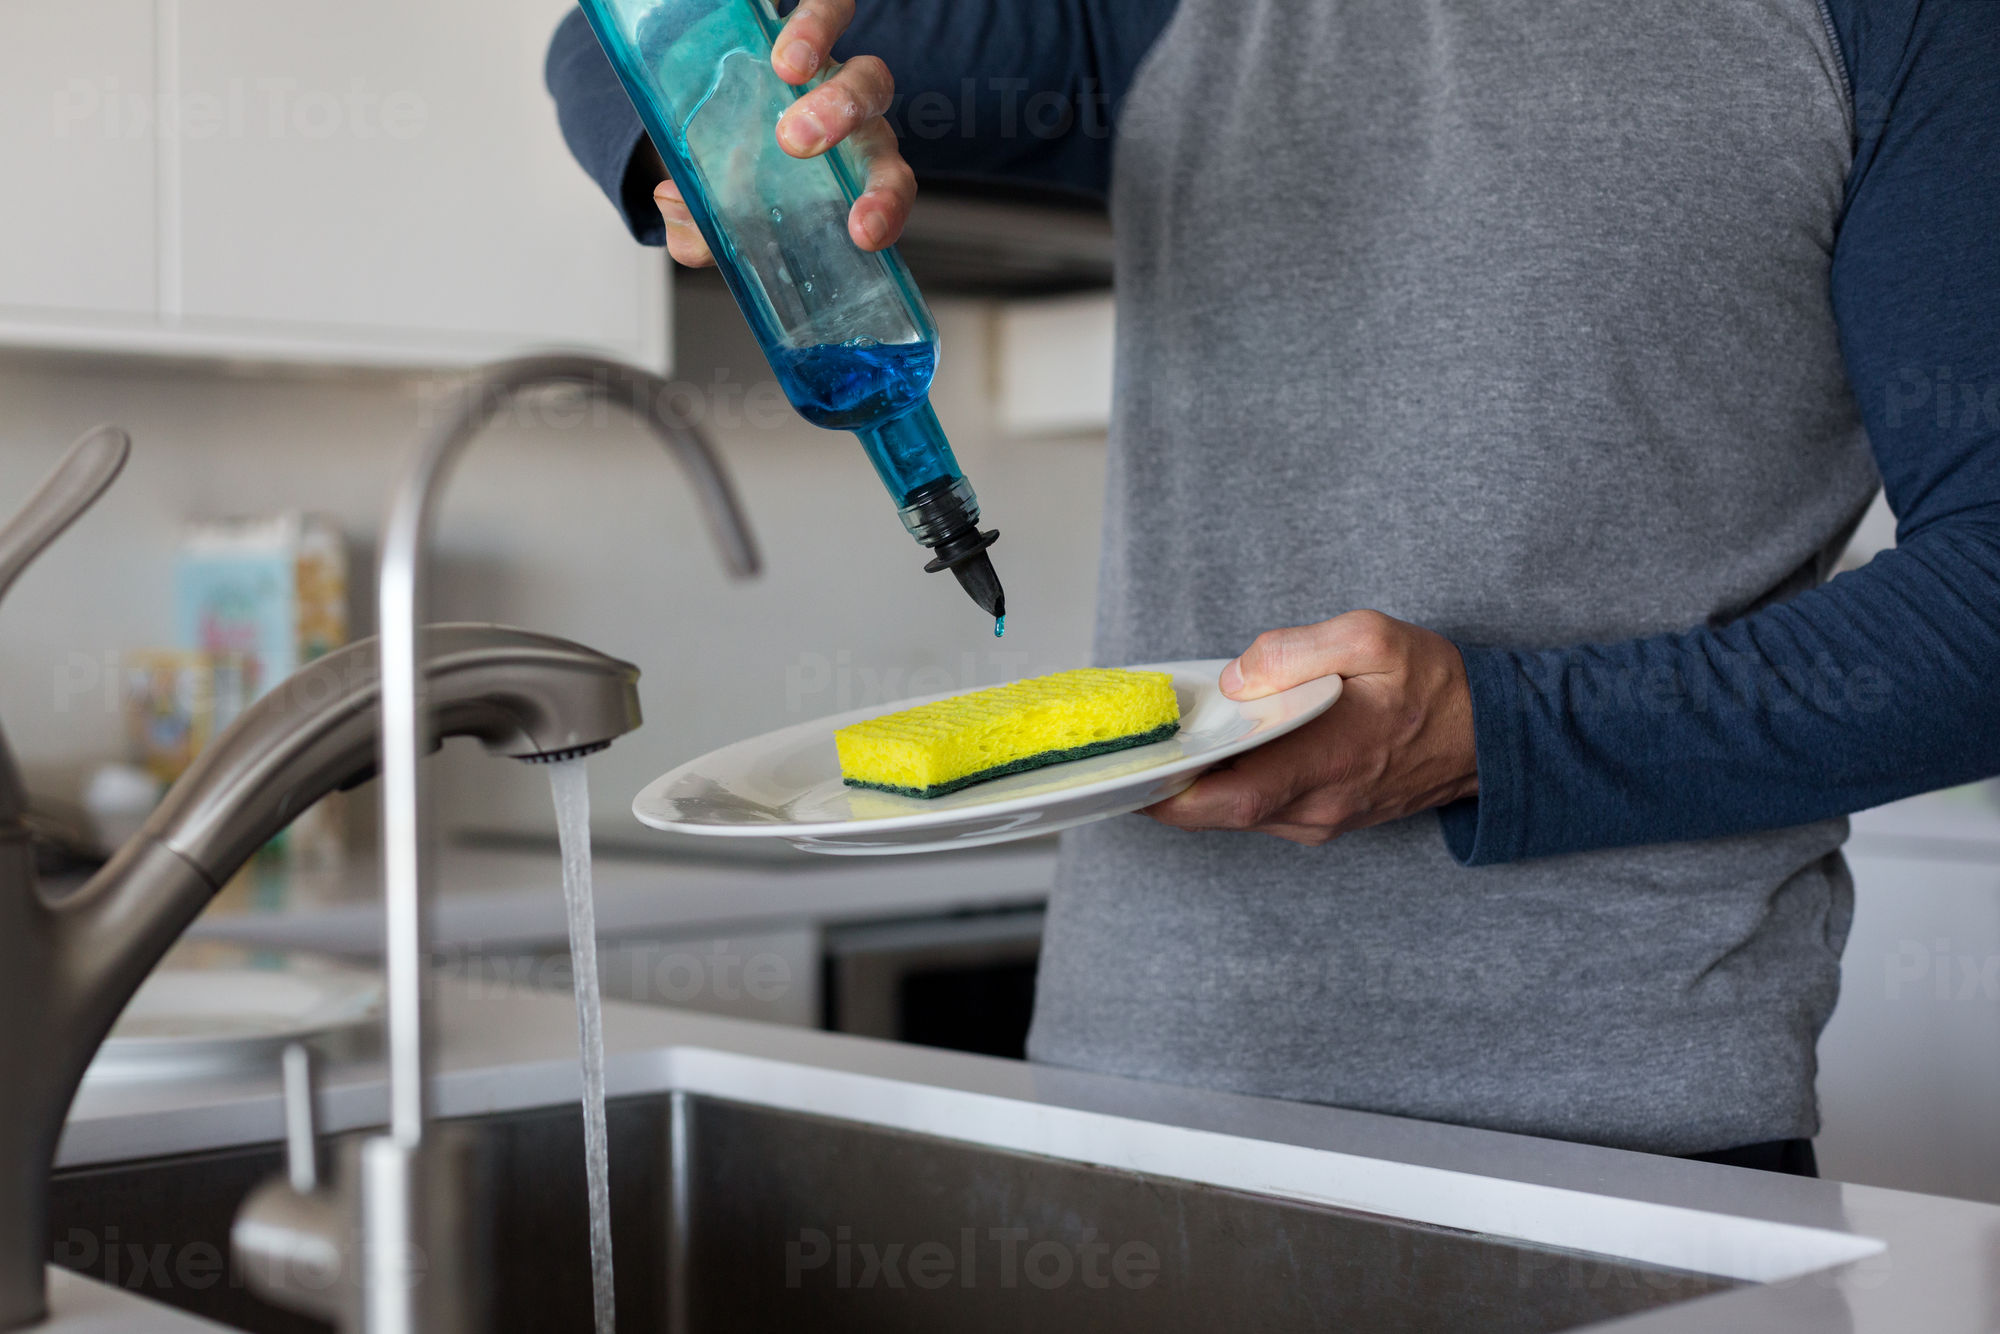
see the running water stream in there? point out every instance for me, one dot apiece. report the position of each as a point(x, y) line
point(569, 781)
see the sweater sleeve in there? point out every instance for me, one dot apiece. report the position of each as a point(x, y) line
point(1884, 682)
point(1009, 91)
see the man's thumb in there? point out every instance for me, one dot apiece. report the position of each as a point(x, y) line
point(1277, 660)
point(1280, 659)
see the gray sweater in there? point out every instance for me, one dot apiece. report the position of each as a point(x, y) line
point(1509, 319)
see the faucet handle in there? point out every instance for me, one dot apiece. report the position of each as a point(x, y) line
point(291, 1239)
point(91, 464)
point(301, 1119)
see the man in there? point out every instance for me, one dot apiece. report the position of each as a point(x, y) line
point(1559, 335)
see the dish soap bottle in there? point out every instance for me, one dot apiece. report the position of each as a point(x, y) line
point(846, 332)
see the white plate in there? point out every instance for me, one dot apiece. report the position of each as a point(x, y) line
point(786, 784)
point(187, 1021)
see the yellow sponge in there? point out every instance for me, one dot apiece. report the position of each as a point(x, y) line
point(938, 748)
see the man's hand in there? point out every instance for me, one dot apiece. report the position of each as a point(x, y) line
point(1398, 741)
point(847, 107)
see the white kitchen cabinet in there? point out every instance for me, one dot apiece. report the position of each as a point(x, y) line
point(1053, 365)
point(379, 182)
point(77, 163)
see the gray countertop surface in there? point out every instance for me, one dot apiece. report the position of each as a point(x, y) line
point(510, 896)
point(1913, 1262)
point(1959, 823)
point(504, 894)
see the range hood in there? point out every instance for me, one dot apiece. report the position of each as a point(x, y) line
point(998, 242)
point(974, 241)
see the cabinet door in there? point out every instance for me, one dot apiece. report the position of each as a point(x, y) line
point(1053, 357)
point(77, 161)
point(385, 178)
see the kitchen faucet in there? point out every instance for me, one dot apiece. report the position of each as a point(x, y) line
point(72, 961)
point(404, 1202)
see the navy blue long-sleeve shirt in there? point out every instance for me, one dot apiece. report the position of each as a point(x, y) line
point(1882, 683)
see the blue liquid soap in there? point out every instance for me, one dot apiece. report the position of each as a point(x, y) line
point(845, 331)
point(853, 385)
point(999, 626)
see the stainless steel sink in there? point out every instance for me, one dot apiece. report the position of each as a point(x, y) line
point(736, 1217)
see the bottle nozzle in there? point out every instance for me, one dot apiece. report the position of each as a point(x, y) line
point(944, 516)
point(966, 558)
point(982, 584)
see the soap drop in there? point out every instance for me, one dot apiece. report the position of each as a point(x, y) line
point(777, 215)
point(999, 626)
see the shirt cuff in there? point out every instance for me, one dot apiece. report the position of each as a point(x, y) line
point(1490, 828)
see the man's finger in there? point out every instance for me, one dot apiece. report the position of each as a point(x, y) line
point(1328, 812)
point(806, 41)
point(1306, 836)
point(1352, 645)
point(1223, 799)
point(684, 240)
point(1257, 787)
point(857, 94)
point(883, 209)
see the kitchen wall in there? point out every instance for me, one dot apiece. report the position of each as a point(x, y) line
point(564, 519)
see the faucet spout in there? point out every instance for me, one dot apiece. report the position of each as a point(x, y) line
point(400, 604)
point(523, 695)
point(408, 1192)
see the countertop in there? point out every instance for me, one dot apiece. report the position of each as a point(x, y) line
point(1957, 822)
point(496, 895)
point(1823, 1255)
point(510, 895)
